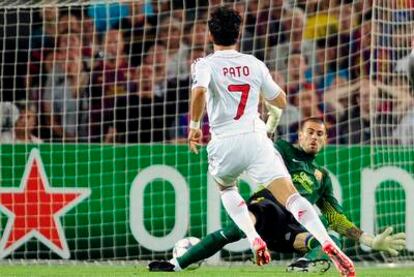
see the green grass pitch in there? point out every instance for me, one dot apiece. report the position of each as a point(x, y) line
point(90, 270)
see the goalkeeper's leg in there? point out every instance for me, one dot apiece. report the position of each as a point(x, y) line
point(284, 191)
point(209, 245)
point(315, 249)
point(315, 260)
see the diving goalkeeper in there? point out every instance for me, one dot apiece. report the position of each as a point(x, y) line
point(277, 226)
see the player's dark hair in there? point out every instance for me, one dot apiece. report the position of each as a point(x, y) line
point(312, 119)
point(224, 26)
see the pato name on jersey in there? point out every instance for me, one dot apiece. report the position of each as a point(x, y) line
point(236, 71)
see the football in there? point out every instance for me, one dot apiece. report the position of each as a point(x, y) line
point(182, 246)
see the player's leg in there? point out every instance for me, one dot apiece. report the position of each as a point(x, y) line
point(284, 191)
point(269, 168)
point(237, 210)
point(314, 260)
point(314, 249)
point(226, 163)
point(210, 245)
point(283, 233)
point(206, 248)
point(286, 194)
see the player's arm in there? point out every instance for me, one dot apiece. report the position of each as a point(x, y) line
point(198, 103)
point(279, 101)
point(272, 93)
point(339, 222)
point(275, 99)
point(274, 115)
point(201, 78)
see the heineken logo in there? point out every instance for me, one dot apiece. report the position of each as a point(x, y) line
point(126, 196)
point(34, 210)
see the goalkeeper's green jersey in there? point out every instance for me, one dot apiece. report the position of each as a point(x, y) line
point(313, 182)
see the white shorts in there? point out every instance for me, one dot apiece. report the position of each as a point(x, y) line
point(252, 153)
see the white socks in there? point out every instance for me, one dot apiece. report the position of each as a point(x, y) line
point(306, 215)
point(237, 210)
point(176, 264)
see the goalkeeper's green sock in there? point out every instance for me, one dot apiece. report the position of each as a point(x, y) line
point(209, 245)
point(315, 249)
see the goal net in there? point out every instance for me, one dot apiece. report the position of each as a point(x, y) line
point(94, 116)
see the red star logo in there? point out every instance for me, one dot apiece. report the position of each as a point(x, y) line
point(34, 209)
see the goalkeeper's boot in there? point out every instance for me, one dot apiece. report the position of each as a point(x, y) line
point(261, 254)
point(344, 264)
point(161, 266)
point(305, 265)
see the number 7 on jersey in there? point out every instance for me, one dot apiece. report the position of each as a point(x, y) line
point(244, 89)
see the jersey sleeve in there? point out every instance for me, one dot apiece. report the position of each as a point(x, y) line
point(333, 212)
point(269, 88)
point(201, 73)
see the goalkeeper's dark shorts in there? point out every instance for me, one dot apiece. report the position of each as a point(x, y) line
point(276, 225)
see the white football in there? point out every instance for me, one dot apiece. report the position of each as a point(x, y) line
point(182, 246)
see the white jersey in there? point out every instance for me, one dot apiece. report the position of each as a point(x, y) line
point(234, 82)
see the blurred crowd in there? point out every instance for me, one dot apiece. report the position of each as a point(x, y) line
point(120, 72)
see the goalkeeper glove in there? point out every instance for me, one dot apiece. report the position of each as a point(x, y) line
point(274, 114)
point(385, 241)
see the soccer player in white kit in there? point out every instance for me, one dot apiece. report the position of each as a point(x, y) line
point(231, 83)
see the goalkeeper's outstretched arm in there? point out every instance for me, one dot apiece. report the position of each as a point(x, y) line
point(339, 222)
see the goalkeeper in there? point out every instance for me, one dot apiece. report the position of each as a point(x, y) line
point(277, 226)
